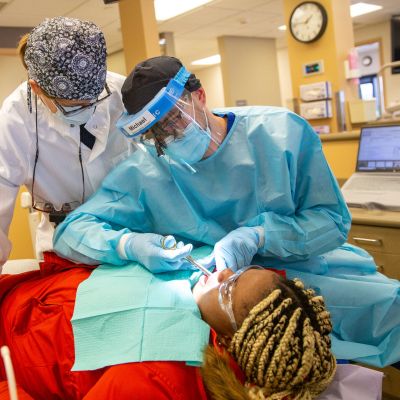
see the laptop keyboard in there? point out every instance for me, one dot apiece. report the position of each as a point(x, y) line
point(375, 183)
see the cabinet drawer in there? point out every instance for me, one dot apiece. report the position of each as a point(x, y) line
point(374, 238)
point(388, 264)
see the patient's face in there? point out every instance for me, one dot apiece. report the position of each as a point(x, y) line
point(250, 288)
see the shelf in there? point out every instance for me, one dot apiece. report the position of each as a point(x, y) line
point(346, 135)
point(375, 217)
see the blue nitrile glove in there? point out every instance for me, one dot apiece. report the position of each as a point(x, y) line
point(237, 248)
point(146, 249)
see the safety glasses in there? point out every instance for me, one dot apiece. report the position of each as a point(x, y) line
point(225, 294)
point(172, 125)
point(79, 109)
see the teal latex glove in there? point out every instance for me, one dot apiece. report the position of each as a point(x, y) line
point(146, 249)
point(237, 248)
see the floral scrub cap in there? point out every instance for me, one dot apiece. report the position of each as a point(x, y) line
point(67, 58)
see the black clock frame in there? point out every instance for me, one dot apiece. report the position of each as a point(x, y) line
point(324, 21)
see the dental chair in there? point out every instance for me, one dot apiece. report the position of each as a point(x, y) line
point(23, 265)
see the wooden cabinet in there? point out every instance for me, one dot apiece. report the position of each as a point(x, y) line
point(378, 232)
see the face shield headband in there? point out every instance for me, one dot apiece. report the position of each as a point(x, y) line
point(136, 124)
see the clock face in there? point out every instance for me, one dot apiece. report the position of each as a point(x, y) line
point(308, 22)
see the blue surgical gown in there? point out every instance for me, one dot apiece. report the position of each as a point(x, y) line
point(269, 171)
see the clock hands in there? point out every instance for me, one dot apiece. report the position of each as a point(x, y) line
point(302, 22)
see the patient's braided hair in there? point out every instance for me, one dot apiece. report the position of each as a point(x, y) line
point(282, 347)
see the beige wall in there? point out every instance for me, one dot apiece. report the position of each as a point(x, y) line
point(116, 63)
point(250, 70)
point(211, 80)
point(382, 31)
point(12, 74)
point(285, 80)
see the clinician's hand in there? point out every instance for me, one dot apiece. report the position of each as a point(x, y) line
point(237, 248)
point(146, 249)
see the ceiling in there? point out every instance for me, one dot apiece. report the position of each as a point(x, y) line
point(195, 32)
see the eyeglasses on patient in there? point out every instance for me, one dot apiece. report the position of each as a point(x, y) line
point(226, 290)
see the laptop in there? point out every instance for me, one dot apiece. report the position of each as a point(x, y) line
point(376, 182)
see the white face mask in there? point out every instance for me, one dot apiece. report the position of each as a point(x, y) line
point(77, 119)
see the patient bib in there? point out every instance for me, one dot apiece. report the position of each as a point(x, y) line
point(127, 314)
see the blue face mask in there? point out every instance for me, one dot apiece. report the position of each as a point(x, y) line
point(77, 119)
point(191, 147)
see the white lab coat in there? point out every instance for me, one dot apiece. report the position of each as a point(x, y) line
point(58, 177)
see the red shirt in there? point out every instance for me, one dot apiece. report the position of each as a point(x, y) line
point(35, 313)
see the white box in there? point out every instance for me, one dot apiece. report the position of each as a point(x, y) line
point(316, 91)
point(362, 111)
point(322, 129)
point(316, 109)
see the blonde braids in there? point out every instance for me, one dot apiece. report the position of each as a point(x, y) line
point(283, 346)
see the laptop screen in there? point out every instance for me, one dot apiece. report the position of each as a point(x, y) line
point(379, 149)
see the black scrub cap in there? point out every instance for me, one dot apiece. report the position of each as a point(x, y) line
point(148, 78)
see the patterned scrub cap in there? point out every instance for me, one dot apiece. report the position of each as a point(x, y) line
point(67, 58)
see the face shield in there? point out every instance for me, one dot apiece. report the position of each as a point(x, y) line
point(175, 123)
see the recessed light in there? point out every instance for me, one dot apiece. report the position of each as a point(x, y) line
point(358, 9)
point(171, 8)
point(215, 59)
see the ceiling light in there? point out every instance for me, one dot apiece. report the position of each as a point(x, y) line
point(216, 59)
point(363, 8)
point(171, 8)
point(282, 28)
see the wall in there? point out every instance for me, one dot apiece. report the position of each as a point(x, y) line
point(116, 63)
point(285, 80)
point(12, 74)
point(211, 80)
point(341, 156)
point(250, 70)
point(382, 31)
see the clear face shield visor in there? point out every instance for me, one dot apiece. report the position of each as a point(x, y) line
point(175, 123)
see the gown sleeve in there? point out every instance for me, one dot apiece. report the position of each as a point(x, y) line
point(91, 233)
point(321, 219)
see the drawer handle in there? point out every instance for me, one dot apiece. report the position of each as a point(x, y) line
point(371, 242)
point(380, 268)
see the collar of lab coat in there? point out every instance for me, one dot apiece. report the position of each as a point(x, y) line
point(98, 125)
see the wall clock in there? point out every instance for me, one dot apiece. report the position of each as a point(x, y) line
point(308, 21)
